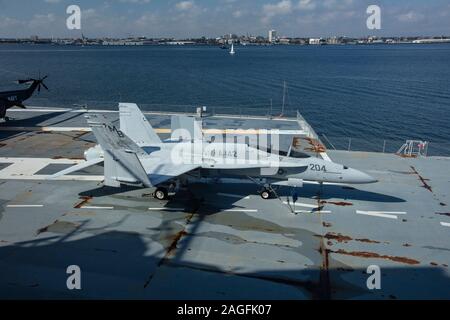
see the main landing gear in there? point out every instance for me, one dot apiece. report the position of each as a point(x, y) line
point(161, 194)
point(266, 192)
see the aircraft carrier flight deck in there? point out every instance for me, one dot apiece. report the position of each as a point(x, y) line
point(220, 240)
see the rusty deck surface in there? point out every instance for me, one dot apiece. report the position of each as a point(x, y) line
point(217, 241)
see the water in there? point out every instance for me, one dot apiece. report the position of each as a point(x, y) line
point(370, 93)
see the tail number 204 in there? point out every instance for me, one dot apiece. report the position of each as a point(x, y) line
point(317, 167)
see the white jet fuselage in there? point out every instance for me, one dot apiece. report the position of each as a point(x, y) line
point(241, 160)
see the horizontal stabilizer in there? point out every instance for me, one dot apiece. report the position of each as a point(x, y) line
point(80, 166)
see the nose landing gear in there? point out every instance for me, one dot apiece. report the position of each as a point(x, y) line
point(267, 194)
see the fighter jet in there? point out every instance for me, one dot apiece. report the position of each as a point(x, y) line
point(134, 154)
point(9, 99)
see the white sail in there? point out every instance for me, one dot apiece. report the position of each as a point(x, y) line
point(232, 49)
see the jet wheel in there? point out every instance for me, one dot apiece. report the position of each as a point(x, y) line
point(266, 194)
point(161, 194)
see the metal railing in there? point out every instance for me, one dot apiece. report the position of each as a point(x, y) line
point(264, 111)
point(306, 126)
point(433, 148)
point(253, 110)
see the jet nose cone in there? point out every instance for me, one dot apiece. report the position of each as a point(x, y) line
point(365, 178)
point(371, 179)
point(361, 177)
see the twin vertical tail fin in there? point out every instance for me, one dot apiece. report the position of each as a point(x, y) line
point(136, 126)
point(186, 128)
point(121, 155)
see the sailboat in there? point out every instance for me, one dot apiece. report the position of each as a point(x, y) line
point(232, 49)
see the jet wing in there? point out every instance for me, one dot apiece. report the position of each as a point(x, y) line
point(160, 168)
point(77, 167)
point(161, 171)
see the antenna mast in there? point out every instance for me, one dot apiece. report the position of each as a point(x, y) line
point(284, 97)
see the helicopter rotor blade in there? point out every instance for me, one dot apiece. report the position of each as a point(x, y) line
point(22, 81)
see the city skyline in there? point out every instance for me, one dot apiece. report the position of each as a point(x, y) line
point(197, 18)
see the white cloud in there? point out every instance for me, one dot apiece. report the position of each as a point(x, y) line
point(282, 7)
point(185, 18)
point(44, 17)
point(7, 22)
point(135, 1)
point(185, 5)
point(238, 13)
point(147, 19)
point(42, 20)
point(337, 4)
point(88, 13)
point(306, 5)
point(410, 16)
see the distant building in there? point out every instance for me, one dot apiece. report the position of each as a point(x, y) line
point(315, 41)
point(180, 43)
point(420, 41)
point(122, 43)
point(333, 40)
point(272, 35)
point(299, 41)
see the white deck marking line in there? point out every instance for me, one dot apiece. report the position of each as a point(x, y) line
point(160, 130)
point(445, 224)
point(166, 209)
point(45, 160)
point(26, 169)
point(252, 118)
point(97, 207)
point(47, 177)
point(64, 129)
point(37, 109)
point(304, 211)
point(24, 205)
point(240, 210)
point(53, 110)
point(377, 214)
point(386, 212)
point(47, 129)
point(233, 195)
point(299, 204)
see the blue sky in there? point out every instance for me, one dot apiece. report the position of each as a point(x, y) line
point(194, 18)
